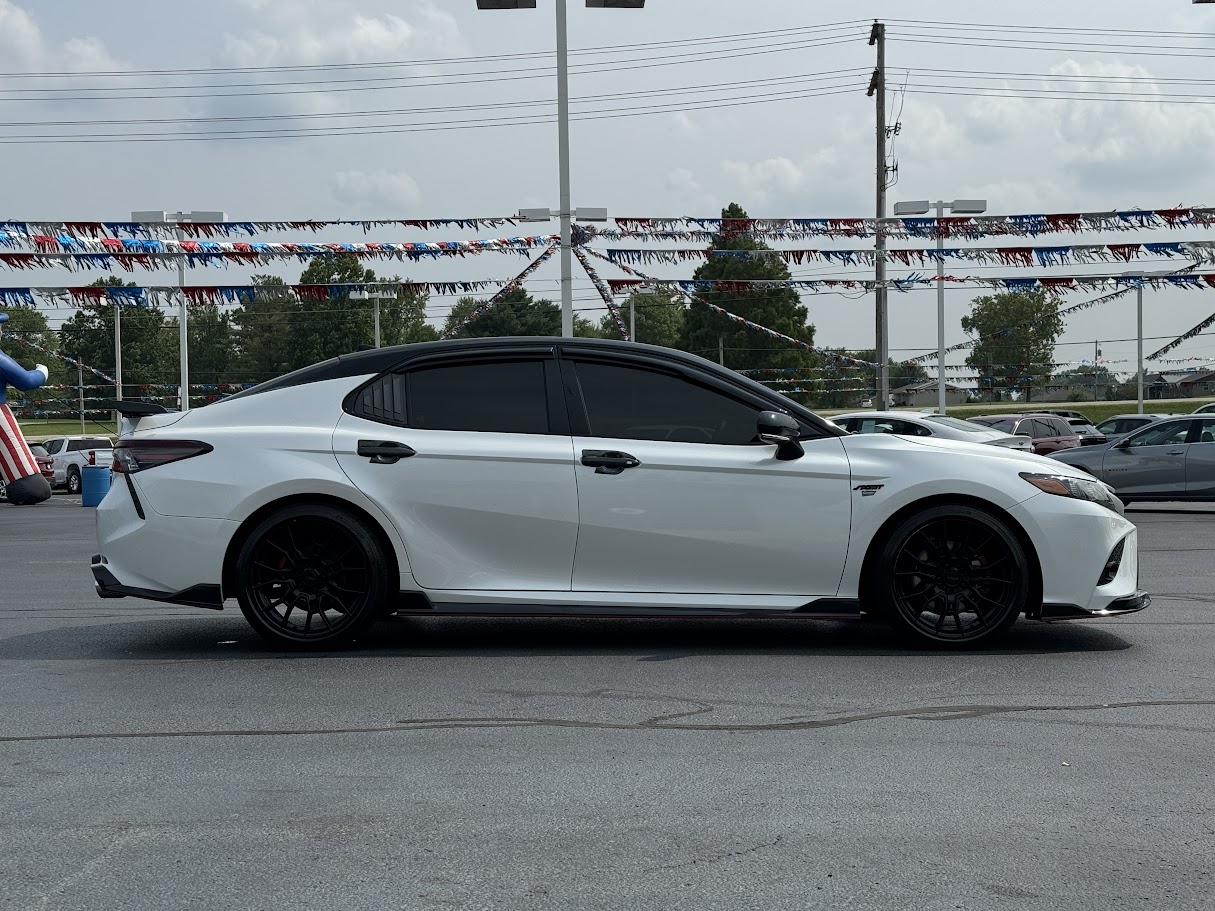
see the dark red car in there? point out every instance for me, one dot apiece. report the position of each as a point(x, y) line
point(46, 464)
point(1049, 432)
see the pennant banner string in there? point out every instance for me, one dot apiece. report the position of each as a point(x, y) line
point(605, 293)
point(511, 285)
point(1044, 257)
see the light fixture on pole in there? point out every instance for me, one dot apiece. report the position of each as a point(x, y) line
point(178, 218)
point(957, 207)
point(563, 137)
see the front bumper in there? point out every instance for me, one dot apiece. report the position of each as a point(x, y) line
point(1127, 605)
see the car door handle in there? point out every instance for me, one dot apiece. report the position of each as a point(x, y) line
point(1175, 452)
point(607, 461)
point(385, 452)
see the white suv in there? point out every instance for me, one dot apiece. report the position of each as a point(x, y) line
point(70, 454)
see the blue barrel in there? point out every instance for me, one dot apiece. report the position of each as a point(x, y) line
point(94, 484)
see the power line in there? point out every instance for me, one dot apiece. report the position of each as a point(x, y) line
point(436, 126)
point(824, 76)
point(437, 61)
point(409, 81)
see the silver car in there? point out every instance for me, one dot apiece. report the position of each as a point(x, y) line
point(912, 424)
point(1171, 459)
point(1119, 425)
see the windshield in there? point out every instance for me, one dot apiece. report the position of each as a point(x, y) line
point(1004, 424)
point(956, 424)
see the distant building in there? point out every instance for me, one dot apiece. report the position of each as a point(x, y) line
point(1181, 384)
point(924, 395)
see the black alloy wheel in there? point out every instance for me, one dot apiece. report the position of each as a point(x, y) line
point(311, 576)
point(952, 575)
point(73, 480)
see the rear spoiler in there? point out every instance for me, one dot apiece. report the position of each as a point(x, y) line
point(131, 412)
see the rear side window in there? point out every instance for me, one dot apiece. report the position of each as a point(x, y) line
point(84, 445)
point(383, 401)
point(53, 446)
point(498, 397)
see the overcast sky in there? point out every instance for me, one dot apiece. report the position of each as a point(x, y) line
point(797, 157)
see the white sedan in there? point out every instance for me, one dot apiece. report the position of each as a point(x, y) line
point(535, 476)
point(941, 426)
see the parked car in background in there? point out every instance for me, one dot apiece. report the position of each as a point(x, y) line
point(1089, 435)
point(1047, 432)
point(1065, 413)
point(1119, 425)
point(70, 454)
point(1172, 459)
point(1205, 409)
point(44, 465)
point(940, 426)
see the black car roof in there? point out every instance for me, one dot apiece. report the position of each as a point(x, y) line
point(378, 360)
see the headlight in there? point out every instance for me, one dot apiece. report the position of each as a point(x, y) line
point(1078, 488)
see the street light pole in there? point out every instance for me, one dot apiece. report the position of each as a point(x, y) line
point(958, 207)
point(1139, 315)
point(563, 167)
point(177, 219)
point(563, 138)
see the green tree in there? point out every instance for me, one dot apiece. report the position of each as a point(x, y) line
point(31, 324)
point(403, 319)
point(149, 349)
point(659, 318)
point(517, 313)
point(1017, 331)
point(211, 343)
point(321, 329)
point(262, 342)
point(774, 308)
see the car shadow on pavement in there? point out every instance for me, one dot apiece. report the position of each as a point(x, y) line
point(228, 637)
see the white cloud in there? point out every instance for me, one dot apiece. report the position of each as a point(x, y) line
point(689, 191)
point(372, 193)
point(764, 179)
point(23, 46)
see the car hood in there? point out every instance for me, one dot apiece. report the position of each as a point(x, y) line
point(1014, 458)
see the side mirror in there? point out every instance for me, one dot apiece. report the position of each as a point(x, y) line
point(1124, 443)
point(779, 428)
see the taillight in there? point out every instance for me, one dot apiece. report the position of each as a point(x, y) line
point(92, 457)
point(138, 455)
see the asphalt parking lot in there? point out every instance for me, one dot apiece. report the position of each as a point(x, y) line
point(159, 757)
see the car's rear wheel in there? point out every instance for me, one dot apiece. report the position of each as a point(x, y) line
point(73, 480)
point(311, 576)
point(952, 575)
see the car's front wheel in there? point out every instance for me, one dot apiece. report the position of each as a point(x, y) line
point(311, 576)
point(951, 575)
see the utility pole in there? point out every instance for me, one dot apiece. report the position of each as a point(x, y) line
point(80, 383)
point(1096, 357)
point(721, 350)
point(877, 90)
point(117, 363)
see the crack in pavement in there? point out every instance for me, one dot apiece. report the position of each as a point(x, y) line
point(665, 722)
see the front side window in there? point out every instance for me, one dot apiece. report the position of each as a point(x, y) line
point(496, 397)
point(633, 403)
point(1206, 432)
point(53, 446)
point(1166, 434)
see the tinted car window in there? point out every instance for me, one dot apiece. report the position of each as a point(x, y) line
point(53, 446)
point(383, 400)
point(1037, 429)
point(1206, 432)
point(1007, 425)
point(1167, 433)
point(635, 404)
point(501, 397)
point(83, 445)
point(37, 450)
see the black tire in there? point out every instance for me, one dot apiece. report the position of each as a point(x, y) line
point(73, 480)
point(311, 576)
point(951, 575)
